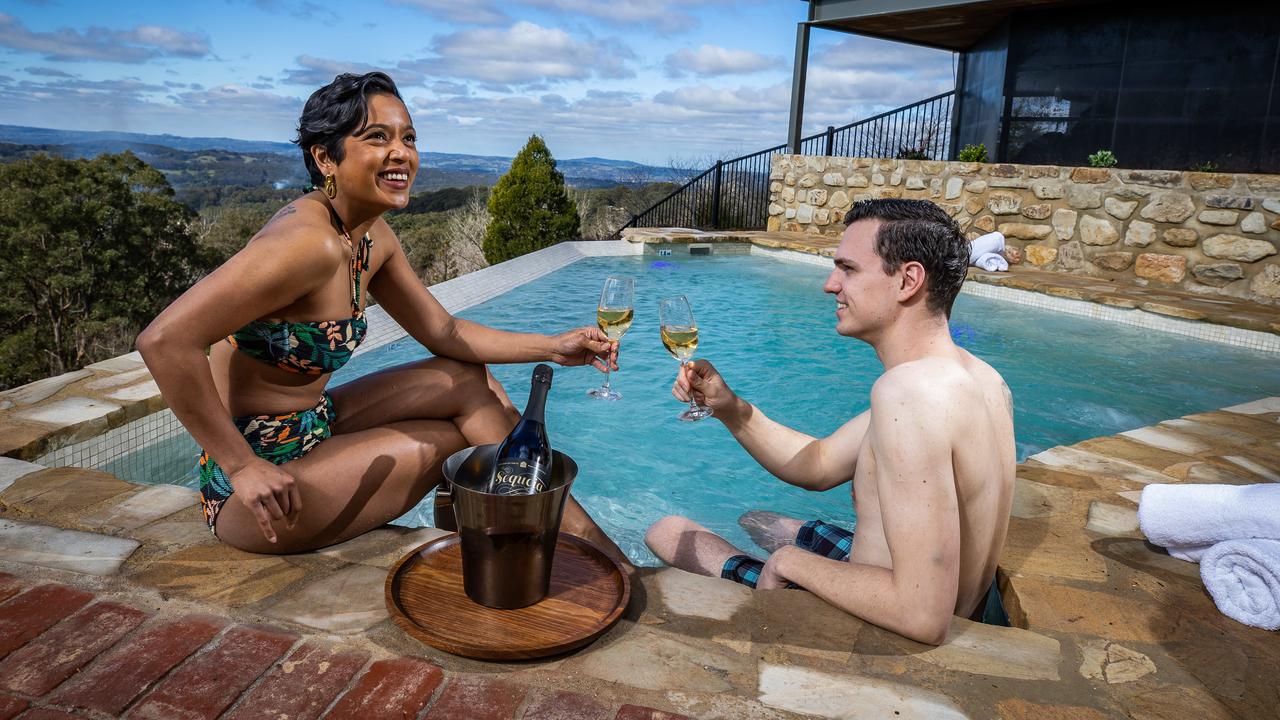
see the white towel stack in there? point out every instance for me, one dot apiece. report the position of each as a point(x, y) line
point(1243, 576)
point(1233, 531)
point(984, 252)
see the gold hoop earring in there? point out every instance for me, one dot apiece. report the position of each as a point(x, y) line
point(330, 187)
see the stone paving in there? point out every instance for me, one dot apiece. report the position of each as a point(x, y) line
point(102, 579)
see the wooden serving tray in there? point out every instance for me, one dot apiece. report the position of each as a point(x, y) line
point(588, 593)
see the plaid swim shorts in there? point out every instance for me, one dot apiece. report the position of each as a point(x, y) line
point(820, 538)
point(835, 542)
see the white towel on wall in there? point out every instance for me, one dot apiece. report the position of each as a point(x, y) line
point(1190, 515)
point(992, 242)
point(1243, 576)
point(991, 262)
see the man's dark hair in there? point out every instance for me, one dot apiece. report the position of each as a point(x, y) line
point(920, 231)
point(336, 111)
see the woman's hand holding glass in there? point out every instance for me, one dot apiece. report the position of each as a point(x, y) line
point(584, 346)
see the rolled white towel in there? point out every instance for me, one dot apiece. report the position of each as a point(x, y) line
point(1178, 516)
point(1190, 553)
point(992, 262)
point(1243, 576)
point(992, 242)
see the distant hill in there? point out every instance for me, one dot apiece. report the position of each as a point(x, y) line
point(190, 161)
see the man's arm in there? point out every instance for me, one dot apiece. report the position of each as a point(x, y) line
point(911, 441)
point(792, 456)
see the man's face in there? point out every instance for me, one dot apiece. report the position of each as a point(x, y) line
point(865, 296)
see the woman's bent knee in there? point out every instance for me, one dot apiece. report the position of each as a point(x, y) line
point(463, 372)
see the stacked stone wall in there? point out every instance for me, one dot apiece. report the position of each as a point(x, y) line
point(1210, 233)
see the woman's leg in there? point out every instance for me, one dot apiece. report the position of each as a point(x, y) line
point(349, 484)
point(464, 393)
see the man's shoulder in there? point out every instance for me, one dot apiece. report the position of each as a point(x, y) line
point(927, 387)
point(922, 378)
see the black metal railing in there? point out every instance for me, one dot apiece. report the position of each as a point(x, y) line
point(734, 194)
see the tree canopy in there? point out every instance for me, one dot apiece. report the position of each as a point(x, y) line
point(93, 250)
point(530, 206)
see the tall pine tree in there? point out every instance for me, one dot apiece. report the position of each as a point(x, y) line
point(530, 207)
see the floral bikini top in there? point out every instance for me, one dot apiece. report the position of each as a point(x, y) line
point(310, 348)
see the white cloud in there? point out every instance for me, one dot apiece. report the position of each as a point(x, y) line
point(234, 100)
point(855, 52)
point(470, 12)
point(444, 87)
point(304, 10)
point(47, 72)
point(522, 54)
point(838, 97)
point(666, 16)
point(712, 60)
point(140, 44)
point(608, 99)
point(705, 99)
point(858, 77)
point(132, 104)
point(314, 72)
point(690, 122)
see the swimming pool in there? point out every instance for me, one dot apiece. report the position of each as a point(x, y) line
point(769, 328)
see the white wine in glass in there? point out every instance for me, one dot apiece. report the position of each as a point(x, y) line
point(680, 337)
point(614, 314)
point(614, 323)
point(681, 342)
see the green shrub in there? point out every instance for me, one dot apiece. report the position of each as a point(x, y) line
point(530, 207)
point(910, 153)
point(1102, 159)
point(93, 249)
point(973, 153)
point(1207, 166)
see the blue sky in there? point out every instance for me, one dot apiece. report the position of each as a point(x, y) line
point(649, 80)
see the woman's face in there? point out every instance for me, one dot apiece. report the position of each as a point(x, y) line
point(380, 160)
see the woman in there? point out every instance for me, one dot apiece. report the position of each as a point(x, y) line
point(288, 465)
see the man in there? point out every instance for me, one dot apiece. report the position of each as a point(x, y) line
point(932, 461)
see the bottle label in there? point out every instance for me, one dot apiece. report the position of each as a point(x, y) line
point(519, 477)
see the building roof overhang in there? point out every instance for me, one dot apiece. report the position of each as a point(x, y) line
point(954, 25)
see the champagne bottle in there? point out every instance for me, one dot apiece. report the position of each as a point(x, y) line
point(522, 464)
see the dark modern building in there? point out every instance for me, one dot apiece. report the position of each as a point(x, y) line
point(1167, 85)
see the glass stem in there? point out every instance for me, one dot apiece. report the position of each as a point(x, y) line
point(606, 373)
point(693, 404)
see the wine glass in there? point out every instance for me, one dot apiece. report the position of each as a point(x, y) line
point(680, 336)
point(614, 314)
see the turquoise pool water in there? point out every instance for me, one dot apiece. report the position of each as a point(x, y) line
point(770, 329)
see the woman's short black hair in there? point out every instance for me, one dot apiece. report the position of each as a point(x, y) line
point(336, 111)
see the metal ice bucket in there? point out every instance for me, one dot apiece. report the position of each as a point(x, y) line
point(508, 541)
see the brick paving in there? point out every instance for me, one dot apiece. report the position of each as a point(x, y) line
point(110, 684)
point(68, 654)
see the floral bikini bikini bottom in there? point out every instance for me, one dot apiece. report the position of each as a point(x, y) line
point(275, 438)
